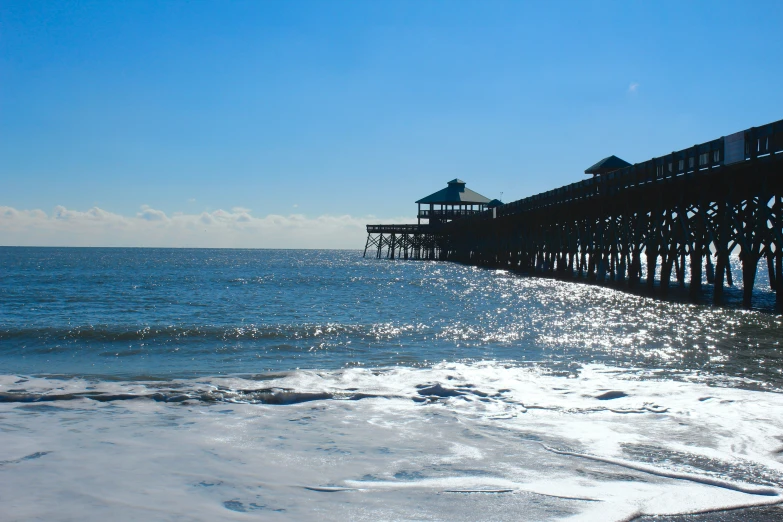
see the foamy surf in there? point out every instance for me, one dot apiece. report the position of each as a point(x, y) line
point(452, 442)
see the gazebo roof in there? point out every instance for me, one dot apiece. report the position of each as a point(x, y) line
point(494, 203)
point(455, 193)
point(607, 165)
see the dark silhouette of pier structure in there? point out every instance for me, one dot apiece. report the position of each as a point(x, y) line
point(683, 214)
point(425, 241)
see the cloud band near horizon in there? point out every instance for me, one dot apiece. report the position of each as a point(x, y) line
point(154, 228)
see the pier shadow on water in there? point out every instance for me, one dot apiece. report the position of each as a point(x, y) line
point(764, 298)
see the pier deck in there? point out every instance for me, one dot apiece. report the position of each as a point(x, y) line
point(684, 213)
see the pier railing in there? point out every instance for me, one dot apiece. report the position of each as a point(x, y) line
point(396, 229)
point(447, 213)
point(699, 160)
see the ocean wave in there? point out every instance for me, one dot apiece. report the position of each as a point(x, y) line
point(505, 385)
point(602, 442)
point(119, 333)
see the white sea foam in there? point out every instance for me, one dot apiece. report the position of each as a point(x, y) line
point(453, 442)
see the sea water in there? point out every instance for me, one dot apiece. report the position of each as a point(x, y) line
point(164, 384)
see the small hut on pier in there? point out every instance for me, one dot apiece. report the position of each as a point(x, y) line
point(607, 165)
point(450, 203)
point(425, 240)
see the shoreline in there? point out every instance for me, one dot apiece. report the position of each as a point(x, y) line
point(748, 514)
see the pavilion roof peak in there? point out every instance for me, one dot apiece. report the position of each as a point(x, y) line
point(455, 194)
point(608, 164)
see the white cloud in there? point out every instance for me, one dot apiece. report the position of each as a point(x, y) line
point(206, 218)
point(633, 87)
point(150, 214)
point(153, 228)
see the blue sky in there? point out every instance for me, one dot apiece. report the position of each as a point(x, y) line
point(332, 111)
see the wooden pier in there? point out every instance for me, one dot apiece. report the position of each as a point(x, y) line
point(403, 241)
point(683, 213)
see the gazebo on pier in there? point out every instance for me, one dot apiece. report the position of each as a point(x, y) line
point(423, 240)
point(453, 202)
point(607, 165)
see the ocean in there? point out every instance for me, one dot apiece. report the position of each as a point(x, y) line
point(178, 384)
